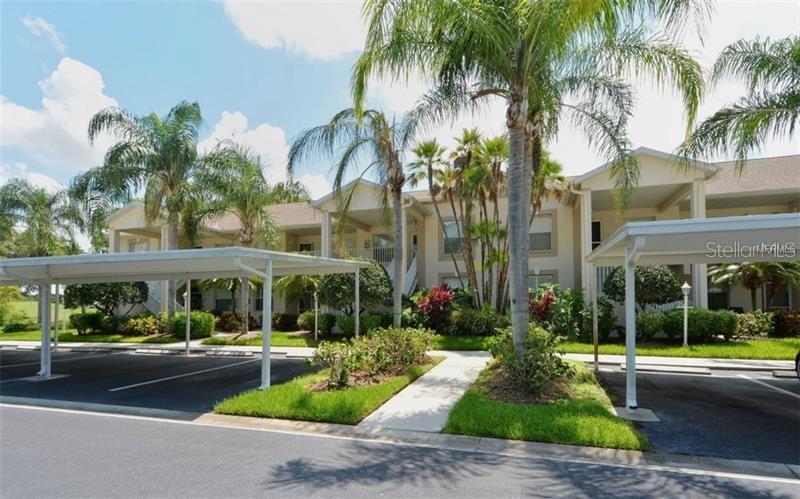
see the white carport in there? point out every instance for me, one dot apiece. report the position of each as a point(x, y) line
point(706, 240)
point(227, 262)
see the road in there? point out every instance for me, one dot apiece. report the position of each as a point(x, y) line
point(51, 453)
point(732, 415)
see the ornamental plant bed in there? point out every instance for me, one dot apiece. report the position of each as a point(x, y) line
point(362, 378)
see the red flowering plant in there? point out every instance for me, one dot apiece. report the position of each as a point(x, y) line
point(435, 307)
point(540, 304)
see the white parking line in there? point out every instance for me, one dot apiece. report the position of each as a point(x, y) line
point(787, 392)
point(159, 380)
point(55, 359)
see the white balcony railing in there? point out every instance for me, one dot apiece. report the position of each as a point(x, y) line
point(380, 255)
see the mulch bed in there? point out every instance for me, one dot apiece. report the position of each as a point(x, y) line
point(500, 385)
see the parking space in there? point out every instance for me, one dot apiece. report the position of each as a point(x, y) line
point(728, 415)
point(153, 381)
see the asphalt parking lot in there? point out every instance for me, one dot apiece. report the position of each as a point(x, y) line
point(731, 415)
point(170, 382)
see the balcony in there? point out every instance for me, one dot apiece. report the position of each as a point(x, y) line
point(380, 255)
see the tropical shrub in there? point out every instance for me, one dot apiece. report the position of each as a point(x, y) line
point(375, 289)
point(393, 350)
point(756, 323)
point(435, 306)
point(540, 364)
point(202, 324)
point(340, 358)
point(232, 322)
point(346, 324)
point(560, 311)
point(786, 324)
point(648, 324)
point(412, 317)
point(703, 324)
point(86, 322)
point(105, 297)
point(18, 321)
point(305, 320)
point(7, 295)
point(655, 284)
point(540, 304)
point(284, 322)
point(140, 325)
point(370, 322)
point(476, 322)
point(606, 320)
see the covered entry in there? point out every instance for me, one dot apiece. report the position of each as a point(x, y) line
point(228, 262)
point(707, 240)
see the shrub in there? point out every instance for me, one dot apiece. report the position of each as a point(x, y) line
point(18, 321)
point(655, 284)
point(232, 322)
point(375, 288)
point(86, 322)
point(341, 358)
point(347, 324)
point(435, 308)
point(305, 320)
point(370, 322)
point(477, 322)
point(756, 323)
point(326, 323)
point(202, 325)
point(142, 325)
point(561, 311)
point(786, 324)
point(703, 324)
point(540, 364)
point(648, 324)
point(412, 317)
point(367, 323)
point(284, 322)
point(105, 297)
point(540, 304)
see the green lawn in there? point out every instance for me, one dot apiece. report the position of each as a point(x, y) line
point(293, 400)
point(583, 419)
point(71, 336)
point(279, 339)
point(31, 307)
point(441, 342)
point(766, 349)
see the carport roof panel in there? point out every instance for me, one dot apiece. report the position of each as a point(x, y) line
point(164, 265)
point(705, 240)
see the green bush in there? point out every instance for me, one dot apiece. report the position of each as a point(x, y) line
point(325, 322)
point(539, 366)
point(306, 320)
point(87, 322)
point(648, 324)
point(375, 289)
point(141, 325)
point(347, 324)
point(786, 324)
point(476, 322)
point(284, 322)
point(703, 324)
point(340, 358)
point(756, 323)
point(370, 322)
point(655, 284)
point(412, 317)
point(202, 325)
point(18, 322)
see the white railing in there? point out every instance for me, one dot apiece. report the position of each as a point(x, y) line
point(664, 307)
point(380, 255)
point(601, 274)
point(154, 292)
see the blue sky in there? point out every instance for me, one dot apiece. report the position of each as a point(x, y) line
point(260, 71)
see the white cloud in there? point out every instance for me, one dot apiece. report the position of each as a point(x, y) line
point(20, 170)
point(322, 29)
point(266, 140)
point(317, 185)
point(39, 27)
point(56, 133)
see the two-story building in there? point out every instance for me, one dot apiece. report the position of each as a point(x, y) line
point(563, 233)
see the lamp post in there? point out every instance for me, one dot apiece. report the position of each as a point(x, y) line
point(686, 288)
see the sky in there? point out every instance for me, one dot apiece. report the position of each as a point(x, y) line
point(262, 72)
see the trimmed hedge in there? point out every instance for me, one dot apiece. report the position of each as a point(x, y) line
point(202, 325)
point(325, 322)
point(284, 322)
point(648, 324)
point(756, 323)
point(476, 322)
point(86, 322)
point(703, 324)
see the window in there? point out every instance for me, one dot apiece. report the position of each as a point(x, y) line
point(451, 242)
point(718, 299)
point(452, 282)
point(223, 300)
point(536, 280)
point(781, 298)
point(541, 233)
point(305, 247)
point(596, 234)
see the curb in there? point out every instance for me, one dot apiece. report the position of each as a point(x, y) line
point(675, 463)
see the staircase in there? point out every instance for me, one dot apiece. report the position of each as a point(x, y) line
point(411, 275)
point(153, 303)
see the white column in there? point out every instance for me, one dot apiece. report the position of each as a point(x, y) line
point(630, 328)
point(113, 241)
point(586, 239)
point(44, 306)
point(165, 284)
point(357, 303)
point(699, 270)
point(266, 326)
point(326, 237)
point(404, 242)
point(55, 320)
point(187, 306)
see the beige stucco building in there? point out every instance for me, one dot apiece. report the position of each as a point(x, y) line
point(564, 232)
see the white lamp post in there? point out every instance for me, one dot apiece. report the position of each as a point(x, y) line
point(686, 288)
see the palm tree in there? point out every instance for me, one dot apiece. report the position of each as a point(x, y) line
point(365, 135)
point(233, 181)
point(543, 58)
point(754, 276)
point(48, 219)
point(771, 109)
point(157, 153)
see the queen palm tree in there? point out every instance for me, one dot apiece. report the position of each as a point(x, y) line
point(154, 153)
point(49, 221)
point(542, 58)
point(771, 109)
point(367, 135)
point(232, 181)
point(754, 275)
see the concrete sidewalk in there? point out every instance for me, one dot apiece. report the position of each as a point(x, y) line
point(425, 404)
point(195, 347)
point(691, 363)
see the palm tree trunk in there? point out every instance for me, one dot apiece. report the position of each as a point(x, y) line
point(753, 303)
point(172, 244)
point(399, 248)
point(517, 219)
point(441, 220)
